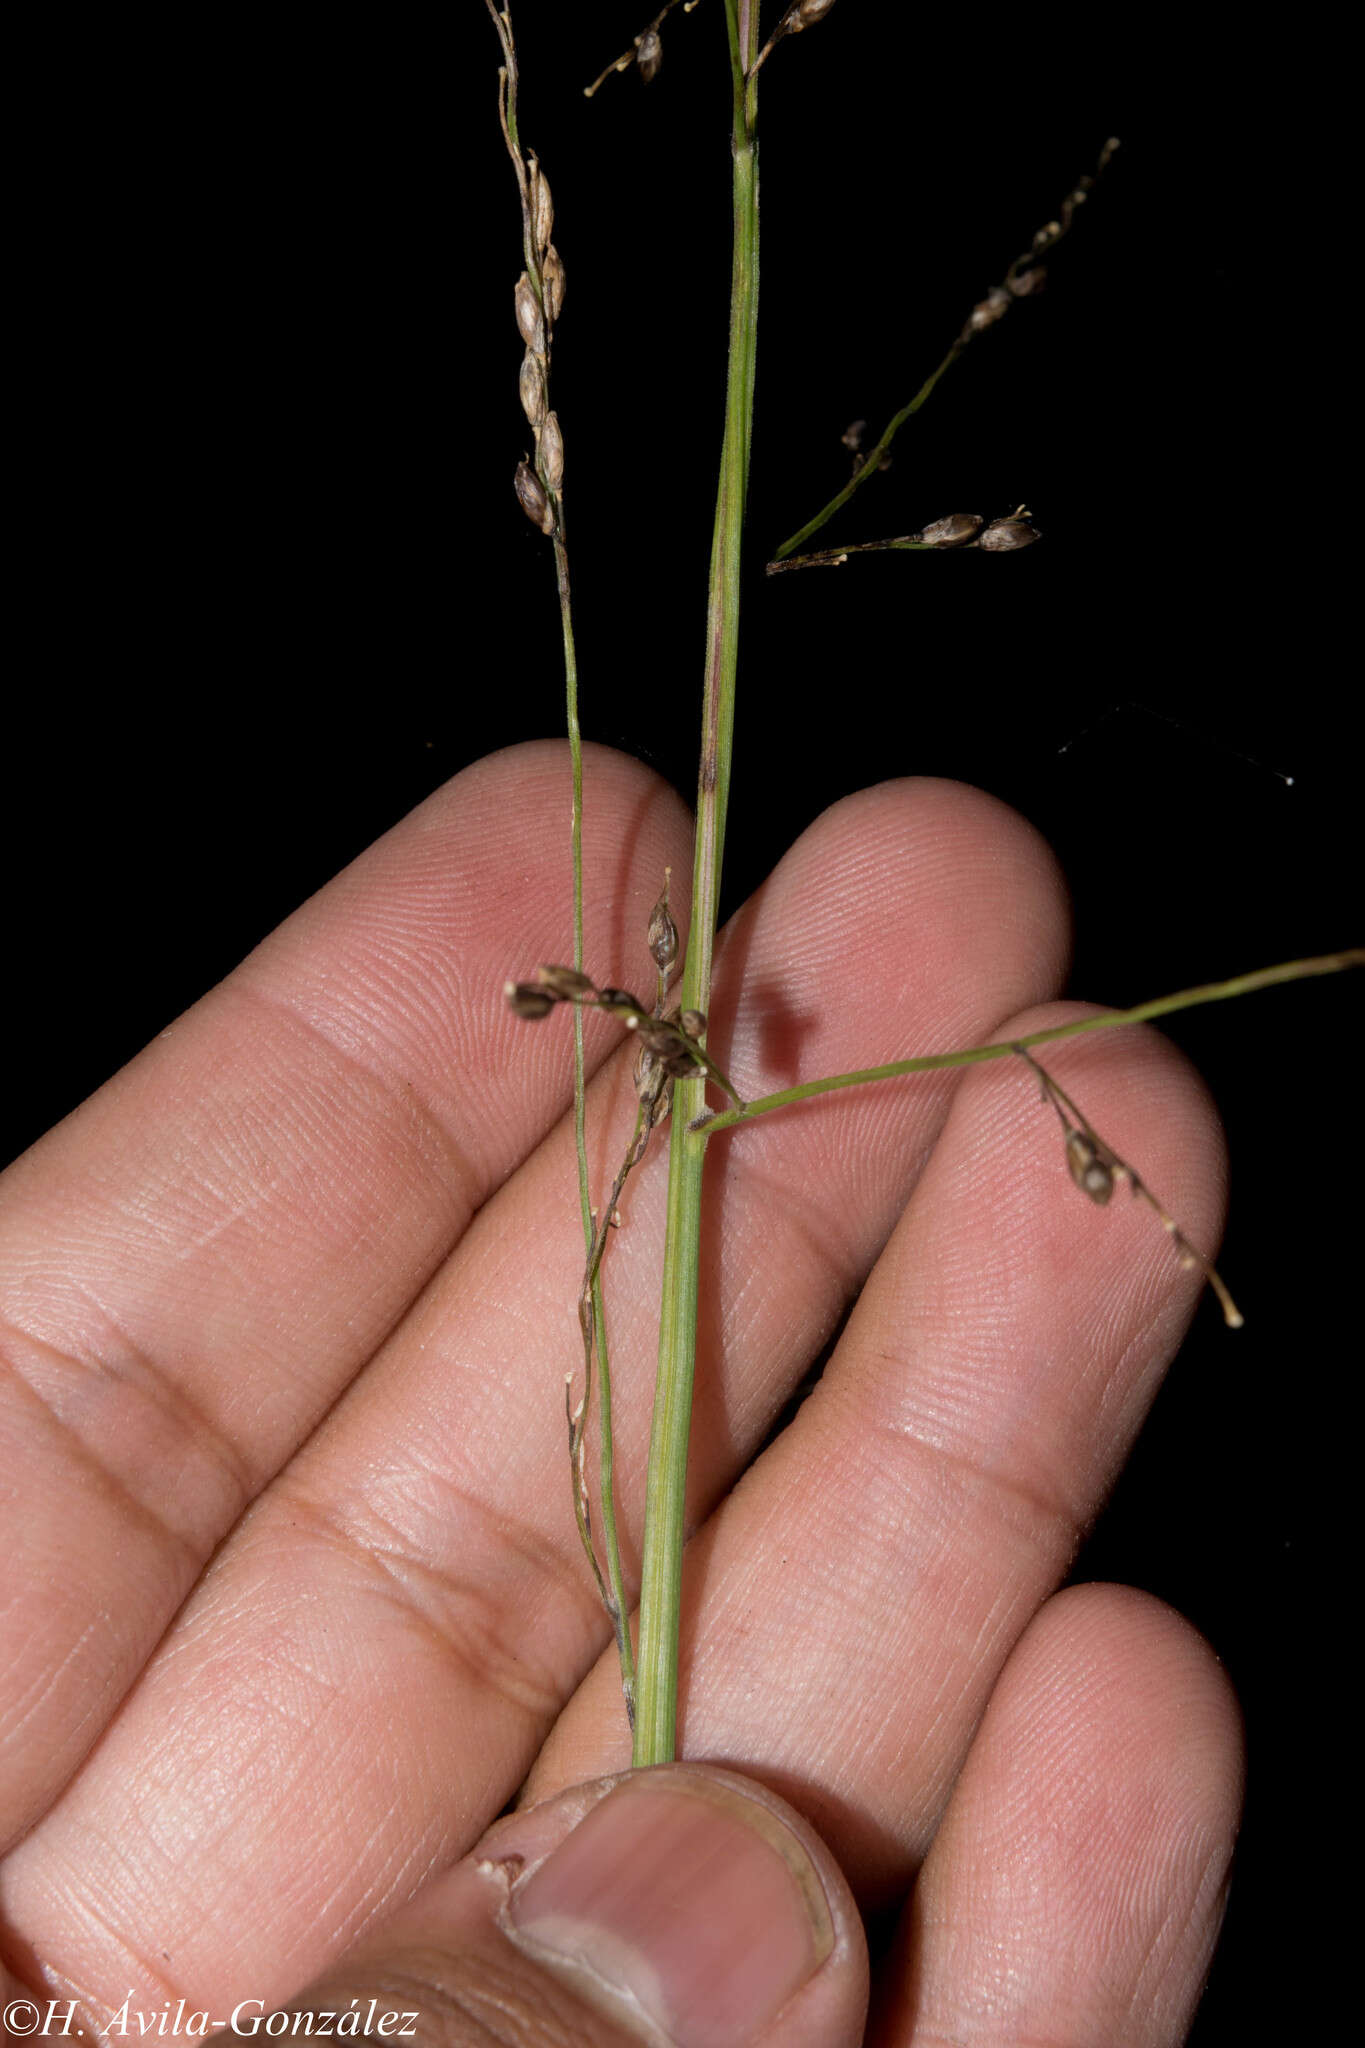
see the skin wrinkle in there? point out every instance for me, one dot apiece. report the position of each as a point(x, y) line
point(1051, 1522)
point(293, 1436)
point(1049, 1498)
point(194, 1429)
point(29, 1705)
point(775, 1196)
point(461, 1179)
point(55, 1983)
point(112, 1483)
point(489, 1664)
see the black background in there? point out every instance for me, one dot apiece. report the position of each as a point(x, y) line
point(276, 586)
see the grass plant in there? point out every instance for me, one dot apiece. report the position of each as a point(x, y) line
point(673, 1066)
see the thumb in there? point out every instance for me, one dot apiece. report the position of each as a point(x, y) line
point(683, 1906)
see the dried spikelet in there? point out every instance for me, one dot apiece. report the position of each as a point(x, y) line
point(1003, 534)
point(551, 451)
point(530, 325)
point(693, 1022)
point(524, 999)
point(532, 498)
point(649, 55)
point(552, 277)
point(532, 386)
point(649, 1076)
point(987, 311)
point(619, 1002)
point(542, 207)
point(1029, 282)
point(682, 1064)
point(953, 532)
point(662, 937)
point(661, 1039)
point(1093, 1175)
point(565, 984)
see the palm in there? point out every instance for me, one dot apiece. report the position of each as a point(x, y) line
point(297, 1603)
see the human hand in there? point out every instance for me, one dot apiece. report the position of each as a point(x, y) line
point(288, 1305)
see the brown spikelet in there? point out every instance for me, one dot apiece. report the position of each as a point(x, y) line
point(530, 324)
point(542, 207)
point(524, 999)
point(552, 277)
point(662, 936)
point(551, 452)
point(532, 498)
point(532, 387)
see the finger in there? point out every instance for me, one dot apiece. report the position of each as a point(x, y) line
point(1075, 1889)
point(849, 1608)
point(680, 1905)
point(411, 1591)
point(195, 1263)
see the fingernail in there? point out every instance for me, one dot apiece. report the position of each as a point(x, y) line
point(682, 1902)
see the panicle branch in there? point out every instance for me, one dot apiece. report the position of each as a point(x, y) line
point(1024, 279)
point(801, 14)
point(973, 1055)
point(675, 1042)
point(537, 301)
point(645, 53)
point(1097, 1170)
point(654, 1097)
point(959, 530)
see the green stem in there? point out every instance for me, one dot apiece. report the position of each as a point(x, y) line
point(973, 1055)
point(661, 1572)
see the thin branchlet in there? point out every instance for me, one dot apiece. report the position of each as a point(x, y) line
point(1024, 279)
point(1097, 1170)
point(645, 53)
point(958, 530)
point(654, 1096)
point(800, 15)
point(712, 1124)
point(538, 300)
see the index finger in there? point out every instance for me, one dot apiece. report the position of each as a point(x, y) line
point(195, 1263)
